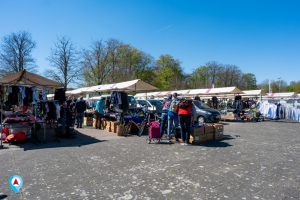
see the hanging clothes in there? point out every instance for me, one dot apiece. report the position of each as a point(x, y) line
point(35, 95)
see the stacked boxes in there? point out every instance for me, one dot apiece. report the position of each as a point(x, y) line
point(208, 132)
point(88, 121)
point(198, 135)
point(108, 126)
point(219, 131)
point(120, 129)
point(114, 126)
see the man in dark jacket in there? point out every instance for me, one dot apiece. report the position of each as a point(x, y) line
point(80, 107)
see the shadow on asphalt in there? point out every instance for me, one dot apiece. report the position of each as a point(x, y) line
point(223, 122)
point(78, 139)
point(283, 121)
point(3, 196)
point(212, 144)
point(216, 144)
point(229, 137)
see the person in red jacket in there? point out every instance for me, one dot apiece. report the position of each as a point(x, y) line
point(185, 113)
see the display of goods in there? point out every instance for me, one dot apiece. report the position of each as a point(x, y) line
point(17, 127)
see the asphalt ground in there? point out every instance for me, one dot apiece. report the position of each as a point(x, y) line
point(254, 161)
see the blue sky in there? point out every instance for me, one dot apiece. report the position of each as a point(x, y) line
point(259, 36)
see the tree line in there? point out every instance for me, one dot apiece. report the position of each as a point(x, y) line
point(114, 61)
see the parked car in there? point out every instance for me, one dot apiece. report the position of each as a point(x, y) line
point(203, 113)
point(153, 105)
point(157, 104)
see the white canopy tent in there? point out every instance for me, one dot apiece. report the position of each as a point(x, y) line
point(282, 95)
point(215, 91)
point(252, 93)
point(204, 93)
point(134, 85)
point(77, 91)
point(146, 95)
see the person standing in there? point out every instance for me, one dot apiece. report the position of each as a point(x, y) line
point(164, 115)
point(197, 98)
point(80, 107)
point(99, 112)
point(173, 116)
point(185, 113)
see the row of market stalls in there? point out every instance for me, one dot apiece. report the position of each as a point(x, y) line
point(226, 92)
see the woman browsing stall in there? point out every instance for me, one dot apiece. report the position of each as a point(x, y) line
point(185, 113)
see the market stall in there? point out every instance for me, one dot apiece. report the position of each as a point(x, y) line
point(23, 102)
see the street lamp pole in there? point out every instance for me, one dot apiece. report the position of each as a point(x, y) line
point(279, 83)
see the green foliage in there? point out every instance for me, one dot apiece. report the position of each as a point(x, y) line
point(168, 73)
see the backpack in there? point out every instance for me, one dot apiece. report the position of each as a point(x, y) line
point(184, 104)
point(174, 107)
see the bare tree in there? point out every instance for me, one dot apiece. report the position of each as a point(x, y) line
point(15, 52)
point(64, 62)
point(96, 63)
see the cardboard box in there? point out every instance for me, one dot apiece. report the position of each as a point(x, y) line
point(94, 123)
point(120, 129)
point(210, 136)
point(108, 126)
point(209, 128)
point(197, 135)
point(88, 121)
point(114, 126)
point(104, 124)
point(202, 134)
point(219, 131)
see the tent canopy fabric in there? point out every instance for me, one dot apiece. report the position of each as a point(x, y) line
point(192, 92)
point(134, 85)
point(252, 93)
point(223, 90)
point(281, 95)
point(77, 91)
point(26, 78)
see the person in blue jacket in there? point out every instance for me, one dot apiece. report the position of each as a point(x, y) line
point(173, 116)
point(99, 112)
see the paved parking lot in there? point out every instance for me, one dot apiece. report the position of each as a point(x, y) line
point(255, 161)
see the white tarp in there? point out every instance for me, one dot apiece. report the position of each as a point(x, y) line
point(149, 94)
point(163, 93)
point(192, 92)
point(281, 95)
point(198, 91)
point(250, 93)
point(210, 91)
point(134, 85)
point(77, 91)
